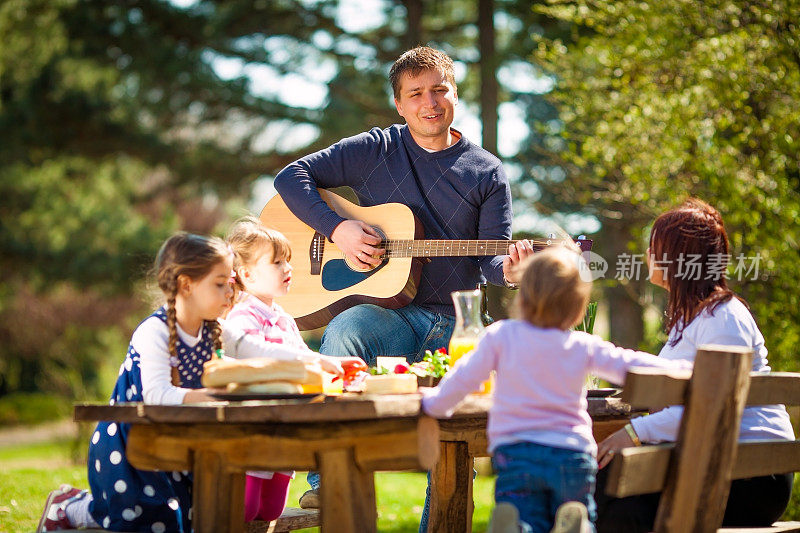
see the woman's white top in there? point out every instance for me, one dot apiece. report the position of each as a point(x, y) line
point(151, 341)
point(730, 323)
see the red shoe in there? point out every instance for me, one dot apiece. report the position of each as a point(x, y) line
point(53, 517)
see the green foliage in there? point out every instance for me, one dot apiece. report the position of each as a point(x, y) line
point(102, 157)
point(131, 120)
point(663, 100)
point(74, 219)
point(587, 323)
point(61, 342)
point(32, 408)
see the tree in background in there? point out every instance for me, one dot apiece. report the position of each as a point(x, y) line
point(116, 131)
point(658, 101)
point(133, 119)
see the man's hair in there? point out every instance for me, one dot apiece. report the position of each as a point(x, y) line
point(418, 59)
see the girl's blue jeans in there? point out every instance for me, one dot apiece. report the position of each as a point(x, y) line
point(536, 479)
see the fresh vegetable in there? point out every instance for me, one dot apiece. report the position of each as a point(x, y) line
point(353, 365)
point(421, 369)
point(434, 364)
point(378, 370)
point(353, 368)
point(401, 368)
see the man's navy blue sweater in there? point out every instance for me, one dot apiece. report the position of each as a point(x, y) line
point(460, 192)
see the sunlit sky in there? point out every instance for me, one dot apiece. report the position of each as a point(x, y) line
point(310, 90)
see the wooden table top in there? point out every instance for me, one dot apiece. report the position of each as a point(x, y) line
point(346, 407)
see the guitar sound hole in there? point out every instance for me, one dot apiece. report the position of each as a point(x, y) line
point(338, 275)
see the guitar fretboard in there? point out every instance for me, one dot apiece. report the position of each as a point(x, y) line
point(435, 248)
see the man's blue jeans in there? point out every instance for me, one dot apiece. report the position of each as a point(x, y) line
point(536, 479)
point(368, 331)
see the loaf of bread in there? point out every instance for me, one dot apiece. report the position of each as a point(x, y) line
point(222, 372)
point(268, 387)
point(390, 384)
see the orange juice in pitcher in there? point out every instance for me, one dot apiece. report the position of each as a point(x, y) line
point(459, 347)
point(468, 329)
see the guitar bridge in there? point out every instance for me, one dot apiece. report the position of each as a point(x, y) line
point(315, 251)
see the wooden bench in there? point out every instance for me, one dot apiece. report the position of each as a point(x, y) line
point(291, 519)
point(694, 473)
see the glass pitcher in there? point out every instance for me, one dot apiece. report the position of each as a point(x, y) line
point(468, 328)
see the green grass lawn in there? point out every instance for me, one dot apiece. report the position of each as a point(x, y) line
point(29, 473)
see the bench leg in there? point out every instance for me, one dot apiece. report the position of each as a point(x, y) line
point(451, 489)
point(347, 493)
point(218, 495)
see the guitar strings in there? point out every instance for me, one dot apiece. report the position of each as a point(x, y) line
point(456, 247)
point(534, 241)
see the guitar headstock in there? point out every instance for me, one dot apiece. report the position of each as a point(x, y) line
point(581, 242)
point(584, 243)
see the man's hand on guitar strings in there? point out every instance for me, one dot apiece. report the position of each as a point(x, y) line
point(516, 253)
point(358, 241)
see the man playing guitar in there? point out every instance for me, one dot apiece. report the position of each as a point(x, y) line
point(455, 188)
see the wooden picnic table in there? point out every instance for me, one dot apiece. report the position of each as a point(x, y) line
point(346, 438)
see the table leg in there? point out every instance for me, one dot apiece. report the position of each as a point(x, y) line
point(451, 489)
point(218, 495)
point(347, 493)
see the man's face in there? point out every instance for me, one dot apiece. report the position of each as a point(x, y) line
point(427, 102)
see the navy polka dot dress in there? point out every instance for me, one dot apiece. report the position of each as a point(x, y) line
point(127, 499)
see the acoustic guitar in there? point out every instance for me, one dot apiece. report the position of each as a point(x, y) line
point(324, 283)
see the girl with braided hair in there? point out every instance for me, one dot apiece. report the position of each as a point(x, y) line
point(163, 365)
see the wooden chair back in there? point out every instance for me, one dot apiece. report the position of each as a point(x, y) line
point(694, 473)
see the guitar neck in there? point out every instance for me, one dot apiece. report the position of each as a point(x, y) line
point(450, 248)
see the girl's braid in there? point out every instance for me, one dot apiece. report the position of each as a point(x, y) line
point(216, 333)
point(172, 321)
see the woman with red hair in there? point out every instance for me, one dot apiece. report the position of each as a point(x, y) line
point(688, 256)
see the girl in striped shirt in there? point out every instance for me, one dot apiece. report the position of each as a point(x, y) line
point(263, 273)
